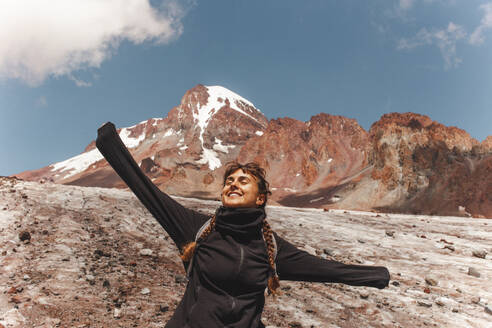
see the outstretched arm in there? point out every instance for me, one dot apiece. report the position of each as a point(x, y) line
point(294, 264)
point(179, 222)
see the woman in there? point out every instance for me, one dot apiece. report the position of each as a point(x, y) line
point(234, 256)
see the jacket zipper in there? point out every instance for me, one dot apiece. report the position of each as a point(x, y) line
point(241, 260)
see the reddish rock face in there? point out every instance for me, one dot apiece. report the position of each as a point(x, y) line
point(406, 163)
point(432, 168)
point(305, 160)
point(487, 144)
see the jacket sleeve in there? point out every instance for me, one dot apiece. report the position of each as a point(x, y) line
point(298, 265)
point(179, 222)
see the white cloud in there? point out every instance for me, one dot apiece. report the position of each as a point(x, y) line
point(41, 102)
point(444, 39)
point(477, 38)
point(42, 38)
point(79, 82)
point(406, 4)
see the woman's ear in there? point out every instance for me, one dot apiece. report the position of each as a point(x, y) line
point(260, 200)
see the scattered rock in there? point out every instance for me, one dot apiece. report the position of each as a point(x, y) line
point(390, 233)
point(439, 302)
point(12, 290)
point(117, 313)
point(26, 277)
point(89, 277)
point(479, 253)
point(451, 248)
point(475, 300)
point(328, 251)
point(106, 283)
point(364, 294)
point(295, 324)
point(24, 235)
point(98, 252)
point(431, 281)
point(473, 272)
point(163, 308)
point(361, 241)
point(145, 291)
point(145, 252)
point(455, 310)
point(395, 283)
point(488, 310)
point(179, 278)
point(15, 299)
point(424, 304)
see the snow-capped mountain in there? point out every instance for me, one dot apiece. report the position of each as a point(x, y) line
point(197, 138)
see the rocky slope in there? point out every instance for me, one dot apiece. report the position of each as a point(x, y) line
point(405, 163)
point(94, 257)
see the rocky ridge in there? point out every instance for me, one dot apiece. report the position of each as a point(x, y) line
point(405, 163)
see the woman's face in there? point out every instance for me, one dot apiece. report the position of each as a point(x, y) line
point(241, 190)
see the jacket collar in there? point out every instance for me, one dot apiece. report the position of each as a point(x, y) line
point(240, 221)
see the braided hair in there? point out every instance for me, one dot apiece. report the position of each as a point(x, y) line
point(273, 281)
point(263, 187)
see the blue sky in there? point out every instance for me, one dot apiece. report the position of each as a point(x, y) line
point(67, 66)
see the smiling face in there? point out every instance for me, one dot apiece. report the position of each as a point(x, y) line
point(241, 190)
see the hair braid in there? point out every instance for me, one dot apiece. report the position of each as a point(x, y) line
point(273, 281)
point(189, 249)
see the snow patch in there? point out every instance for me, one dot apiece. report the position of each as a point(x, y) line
point(78, 163)
point(220, 147)
point(210, 157)
point(169, 132)
point(12, 318)
point(286, 189)
point(217, 92)
point(156, 120)
point(129, 141)
point(335, 199)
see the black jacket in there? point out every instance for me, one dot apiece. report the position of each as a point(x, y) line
point(230, 268)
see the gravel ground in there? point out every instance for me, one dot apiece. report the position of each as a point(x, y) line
point(93, 257)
